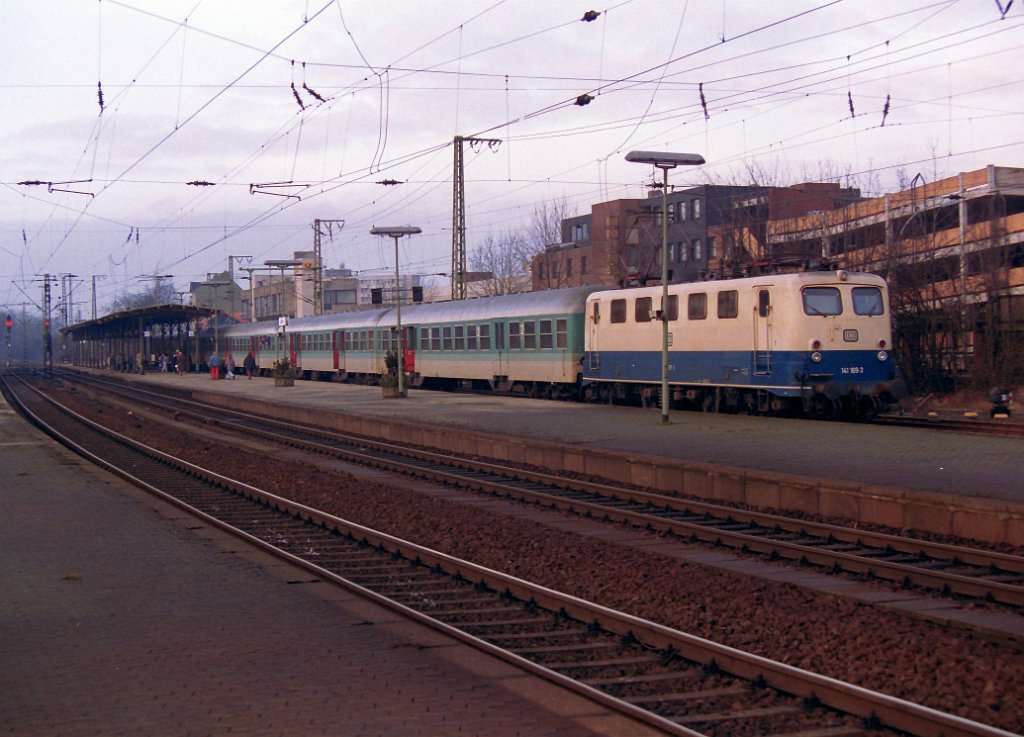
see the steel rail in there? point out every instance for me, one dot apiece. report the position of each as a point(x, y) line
point(705, 531)
point(847, 698)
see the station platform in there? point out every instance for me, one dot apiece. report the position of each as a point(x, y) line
point(121, 615)
point(954, 463)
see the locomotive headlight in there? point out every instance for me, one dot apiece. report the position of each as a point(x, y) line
point(882, 355)
point(816, 357)
point(882, 343)
point(815, 345)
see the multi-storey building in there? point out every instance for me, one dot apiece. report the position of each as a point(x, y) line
point(712, 229)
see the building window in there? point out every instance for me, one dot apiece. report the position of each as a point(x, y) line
point(697, 306)
point(540, 270)
point(682, 207)
point(696, 209)
point(568, 267)
point(583, 264)
point(712, 247)
point(698, 252)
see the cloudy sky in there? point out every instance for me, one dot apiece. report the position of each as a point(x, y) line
point(145, 137)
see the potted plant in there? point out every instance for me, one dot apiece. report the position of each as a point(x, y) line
point(283, 373)
point(389, 377)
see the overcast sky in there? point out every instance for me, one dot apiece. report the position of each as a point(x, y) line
point(334, 97)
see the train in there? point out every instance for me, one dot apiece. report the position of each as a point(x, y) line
point(809, 343)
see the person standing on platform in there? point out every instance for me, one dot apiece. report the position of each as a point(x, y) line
point(250, 365)
point(229, 367)
point(215, 366)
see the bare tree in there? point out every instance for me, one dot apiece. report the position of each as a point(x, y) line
point(504, 257)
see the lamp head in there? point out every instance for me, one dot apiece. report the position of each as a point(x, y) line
point(664, 159)
point(395, 231)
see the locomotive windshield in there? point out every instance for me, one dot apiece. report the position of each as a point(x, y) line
point(823, 301)
point(867, 301)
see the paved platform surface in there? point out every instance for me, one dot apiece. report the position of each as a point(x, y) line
point(120, 615)
point(914, 459)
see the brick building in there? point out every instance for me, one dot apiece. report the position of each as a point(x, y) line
point(712, 229)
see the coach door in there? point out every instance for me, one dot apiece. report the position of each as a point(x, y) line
point(763, 332)
point(592, 347)
point(499, 347)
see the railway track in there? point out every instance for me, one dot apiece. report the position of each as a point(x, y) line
point(975, 426)
point(676, 682)
point(939, 568)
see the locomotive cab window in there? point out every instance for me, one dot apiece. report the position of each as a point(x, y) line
point(867, 301)
point(823, 301)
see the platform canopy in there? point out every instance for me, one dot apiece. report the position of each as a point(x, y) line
point(126, 320)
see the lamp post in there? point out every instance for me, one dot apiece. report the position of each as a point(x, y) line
point(396, 232)
point(664, 161)
point(216, 284)
point(282, 264)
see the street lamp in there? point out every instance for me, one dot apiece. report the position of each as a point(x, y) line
point(282, 264)
point(396, 232)
point(216, 284)
point(664, 161)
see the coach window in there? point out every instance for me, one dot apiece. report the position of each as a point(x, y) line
point(435, 339)
point(642, 309)
point(515, 341)
point(824, 301)
point(561, 333)
point(530, 335)
point(596, 314)
point(697, 306)
point(425, 339)
point(471, 342)
point(446, 338)
point(867, 301)
point(485, 338)
point(460, 338)
point(728, 304)
point(546, 338)
point(618, 310)
point(764, 303)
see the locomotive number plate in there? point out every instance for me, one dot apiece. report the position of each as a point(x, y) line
point(850, 335)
